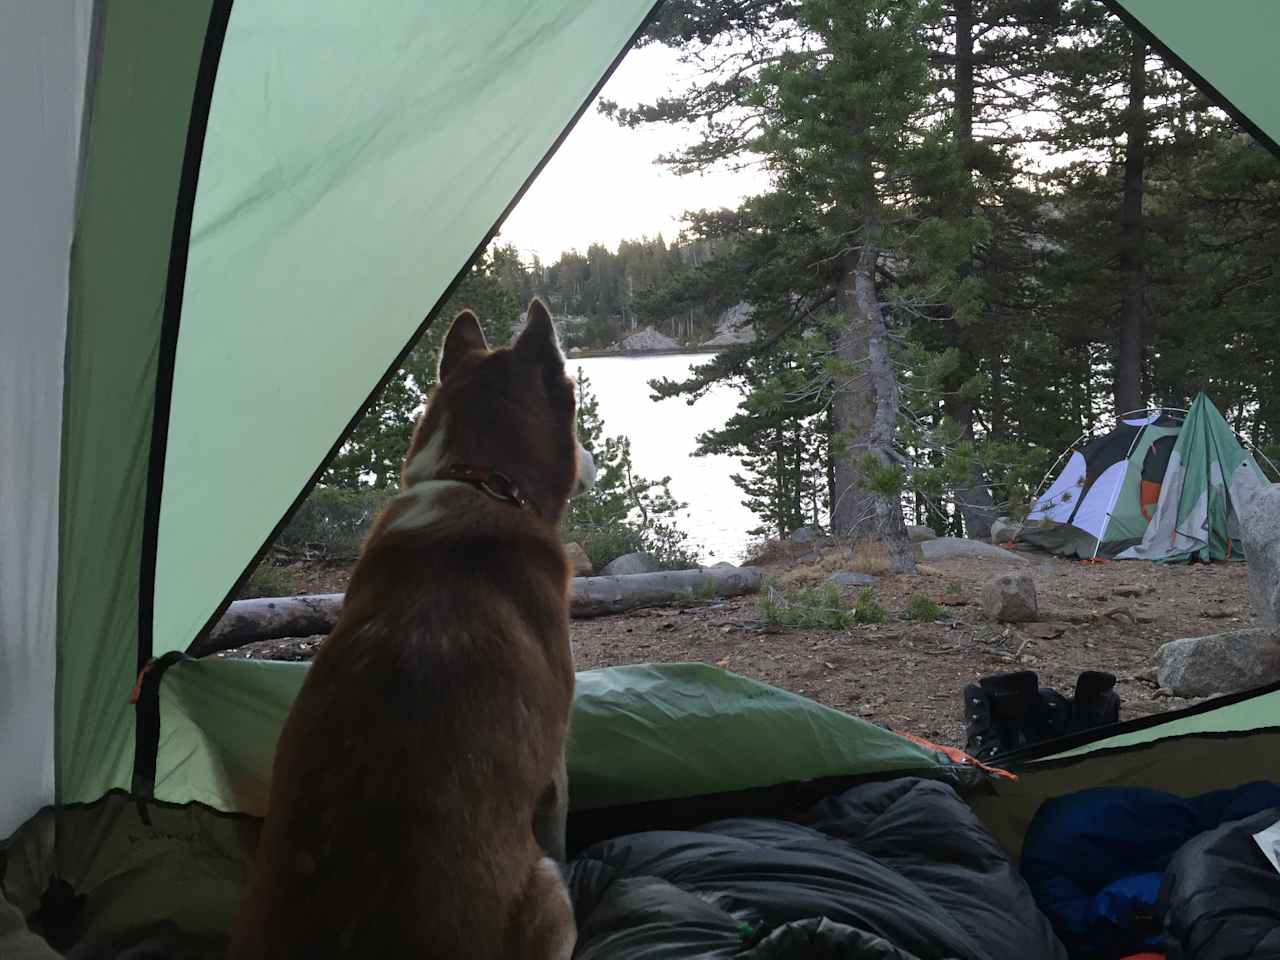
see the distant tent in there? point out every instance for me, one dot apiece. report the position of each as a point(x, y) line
point(1162, 485)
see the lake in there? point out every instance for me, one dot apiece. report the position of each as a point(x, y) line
point(663, 438)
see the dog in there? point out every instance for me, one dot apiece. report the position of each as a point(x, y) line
point(426, 744)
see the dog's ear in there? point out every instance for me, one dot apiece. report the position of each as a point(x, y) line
point(537, 341)
point(465, 336)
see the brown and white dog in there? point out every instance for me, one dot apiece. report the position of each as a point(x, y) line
point(429, 733)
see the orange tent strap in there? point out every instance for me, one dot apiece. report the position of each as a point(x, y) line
point(956, 755)
point(137, 685)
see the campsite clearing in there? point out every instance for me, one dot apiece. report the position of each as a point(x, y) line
point(905, 674)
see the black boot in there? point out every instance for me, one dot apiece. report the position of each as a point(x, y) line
point(1096, 702)
point(981, 740)
point(997, 710)
point(1052, 716)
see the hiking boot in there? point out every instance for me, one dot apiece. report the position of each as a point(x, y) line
point(981, 740)
point(1096, 703)
point(997, 710)
point(1051, 717)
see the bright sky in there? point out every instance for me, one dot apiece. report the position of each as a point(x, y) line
point(603, 186)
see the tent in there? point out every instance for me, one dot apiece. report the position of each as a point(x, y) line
point(221, 225)
point(1161, 485)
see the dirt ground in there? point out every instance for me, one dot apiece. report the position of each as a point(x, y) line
point(909, 675)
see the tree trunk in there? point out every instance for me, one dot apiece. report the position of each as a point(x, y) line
point(1128, 368)
point(964, 79)
point(864, 410)
point(973, 499)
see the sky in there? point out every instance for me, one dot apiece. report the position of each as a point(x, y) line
point(603, 186)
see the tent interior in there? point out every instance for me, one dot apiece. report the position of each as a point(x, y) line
point(217, 198)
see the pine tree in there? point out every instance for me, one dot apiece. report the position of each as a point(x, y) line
point(1118, 104)
point(375, 450)
point(839, 100)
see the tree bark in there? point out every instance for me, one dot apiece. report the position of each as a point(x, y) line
point(973, 500)
point(864, 409)
point(964, 79)
point(271, 618)
point(1128, 367)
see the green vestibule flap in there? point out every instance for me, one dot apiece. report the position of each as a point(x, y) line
point(638, 733)
point(148, 57)
point(1231, 45)
point(1209, 475)
point(1250, 714)
point(353, 163)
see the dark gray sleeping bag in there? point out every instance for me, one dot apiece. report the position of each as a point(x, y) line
point(901, 870)
point(1221, 896)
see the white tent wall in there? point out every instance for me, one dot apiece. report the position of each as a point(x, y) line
point(1100, 500)
point(44, 52)
point(1061, 499)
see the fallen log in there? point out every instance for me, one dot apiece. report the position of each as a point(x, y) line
point(599, 596)
point(270, 618)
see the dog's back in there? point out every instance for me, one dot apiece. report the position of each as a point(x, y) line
point(434, 716)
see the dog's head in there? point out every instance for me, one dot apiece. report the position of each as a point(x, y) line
point(511, 410)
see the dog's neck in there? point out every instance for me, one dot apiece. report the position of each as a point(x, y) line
point(428, 476)
point(491, 482)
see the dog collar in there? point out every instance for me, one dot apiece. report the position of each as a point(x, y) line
point(490, 481)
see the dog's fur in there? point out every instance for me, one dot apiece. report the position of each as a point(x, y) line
point(433, 721)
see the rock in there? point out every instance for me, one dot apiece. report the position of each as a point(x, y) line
point(629, 563)
point(945, 547)
point(733, 327)
point(806, 534)
point(918, 534)
point(1131, 591)
point(1219, 663)
point(1010, 598)
point(648, 340)
point(579, 562)
point(1260, 521)
point(848, 578)
point(1003, 530)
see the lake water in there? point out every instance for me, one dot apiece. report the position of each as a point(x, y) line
point(663, 438)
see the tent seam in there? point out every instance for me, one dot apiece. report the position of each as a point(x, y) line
point(179, 249)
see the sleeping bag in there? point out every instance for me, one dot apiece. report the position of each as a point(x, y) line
point(1096, 859)
point(1221, 896)
point(901, 870)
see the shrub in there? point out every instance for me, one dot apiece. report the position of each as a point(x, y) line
point(868, 609)
point(267, 580)
point(603, 542)
point(331, 523)
point(924, 610)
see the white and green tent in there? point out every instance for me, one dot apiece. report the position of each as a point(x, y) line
point(221, 224)
point(1162, 485)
